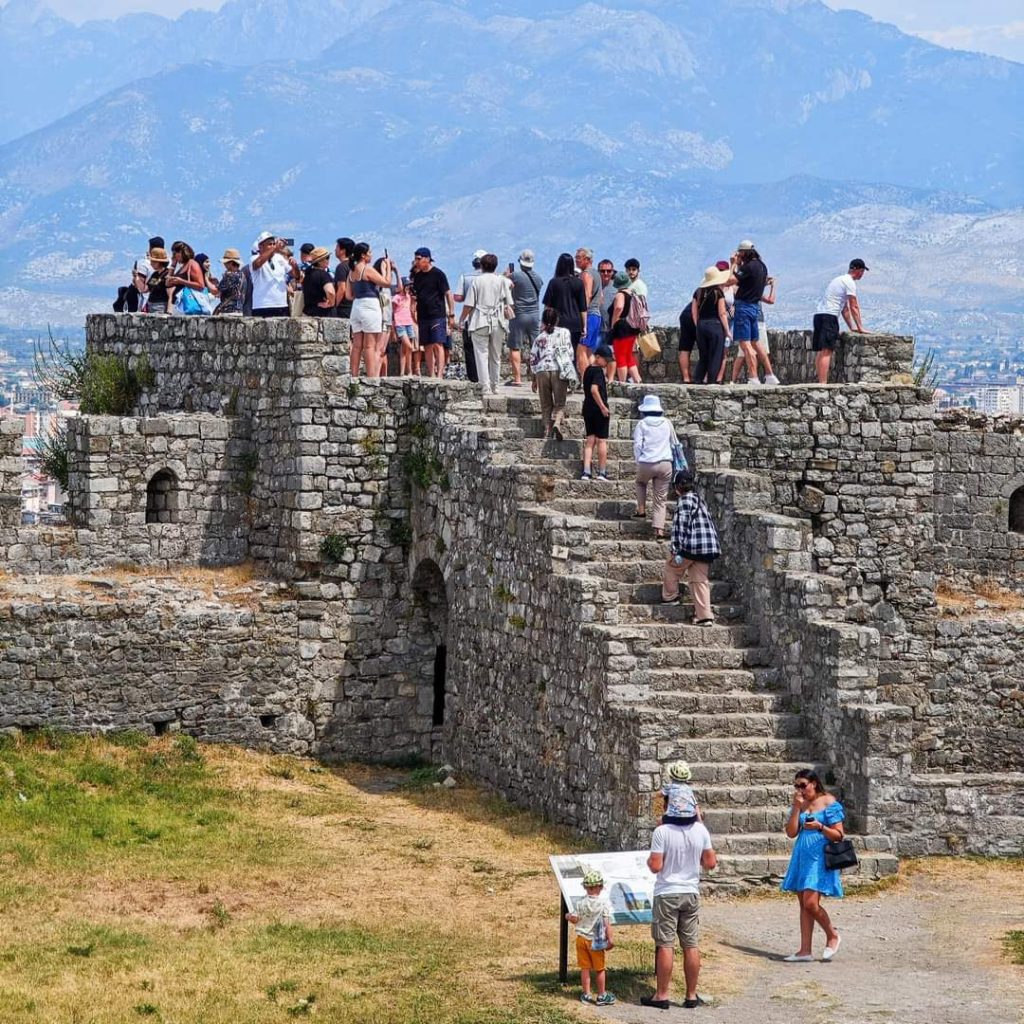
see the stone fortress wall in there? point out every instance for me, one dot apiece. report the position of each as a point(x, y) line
point(431, 598)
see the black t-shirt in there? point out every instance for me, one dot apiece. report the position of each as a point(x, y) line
point(431, 289)
point(313, 292)
point(750, 281)
point(341, 272)
point(568, 296)
point(594, 375)
point(158, 286)
point(707, 303)
point(687, 328)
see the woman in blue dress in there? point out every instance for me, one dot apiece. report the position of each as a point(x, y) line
point(816, 818)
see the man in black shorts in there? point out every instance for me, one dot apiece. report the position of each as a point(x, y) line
point(433, 309)
point(840, 299)
point(596, 414)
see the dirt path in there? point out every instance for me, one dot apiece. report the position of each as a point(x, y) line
point(926, 952)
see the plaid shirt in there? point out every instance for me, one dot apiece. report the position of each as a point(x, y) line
point(693, 533)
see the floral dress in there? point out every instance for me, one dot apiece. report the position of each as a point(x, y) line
point(807, 863)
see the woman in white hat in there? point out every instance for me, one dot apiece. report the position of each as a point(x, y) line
point(652, 450)
point(712, 319)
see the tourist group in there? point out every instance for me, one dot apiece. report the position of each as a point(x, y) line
point(600, 311)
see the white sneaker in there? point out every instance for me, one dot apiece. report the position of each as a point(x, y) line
point(798, 958)
point(771, 380)
point(754, 382)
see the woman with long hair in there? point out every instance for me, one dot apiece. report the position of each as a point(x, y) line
point(815, 818)
point(711, 316)
point(362, 288)
point(550, 353)
point(565, 292)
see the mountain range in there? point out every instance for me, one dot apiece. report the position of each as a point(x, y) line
point(652, 128)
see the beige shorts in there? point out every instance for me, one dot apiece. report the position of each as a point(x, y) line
point(676, 914)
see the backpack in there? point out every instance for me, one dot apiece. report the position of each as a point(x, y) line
point(637, 316)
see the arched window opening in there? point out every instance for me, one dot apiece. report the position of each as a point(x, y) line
point(162, 498)
point(1017, 511)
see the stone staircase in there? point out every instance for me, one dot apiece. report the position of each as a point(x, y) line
point(710, 696)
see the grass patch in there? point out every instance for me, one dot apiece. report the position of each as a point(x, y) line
point(1013, 943)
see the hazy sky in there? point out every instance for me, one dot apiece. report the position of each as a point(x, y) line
point(996, 26)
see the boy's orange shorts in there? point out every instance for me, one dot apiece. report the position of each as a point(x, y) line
point(587, 958)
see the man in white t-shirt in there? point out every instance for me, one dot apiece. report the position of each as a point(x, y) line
point(678, 852)
point(840, 299)
point(269, 269)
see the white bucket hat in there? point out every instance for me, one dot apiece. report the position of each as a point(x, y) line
point(651, 403)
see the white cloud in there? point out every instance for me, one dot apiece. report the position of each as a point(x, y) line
point(1002, 40)
point(77, 11)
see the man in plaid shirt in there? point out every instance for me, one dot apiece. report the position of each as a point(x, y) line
point(694, 546)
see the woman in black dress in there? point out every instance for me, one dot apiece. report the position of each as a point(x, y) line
point(565, 292)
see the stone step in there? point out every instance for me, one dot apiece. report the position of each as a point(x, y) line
point(750, 773)
point(649, 592)
point(708, 657)
point(747, 725)
point(622, 471)
point(526, 405)
point(747, 844)
point(619, 529)
point(760, 869)
point(674, 635)
point(647, 570)
point(621, 488)
point(737, 797)
point(703, 681)
point(608, 505)
point(531, 428)
point(667, 746)
point(536, 449)
point(727, 702)
point(656, 611)
point(628, 549)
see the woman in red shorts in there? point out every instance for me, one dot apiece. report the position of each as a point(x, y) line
point(622, 335)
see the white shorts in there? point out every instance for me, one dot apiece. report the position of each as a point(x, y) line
point(366, 316)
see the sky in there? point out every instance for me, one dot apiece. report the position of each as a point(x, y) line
point(996, 26)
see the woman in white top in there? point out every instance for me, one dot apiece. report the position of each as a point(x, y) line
point(652, 451)
point(488, 307)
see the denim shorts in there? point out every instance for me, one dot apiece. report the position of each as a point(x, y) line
point(405, 331)
point(744, 325)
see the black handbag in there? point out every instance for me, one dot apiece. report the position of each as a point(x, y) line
point(840, 854)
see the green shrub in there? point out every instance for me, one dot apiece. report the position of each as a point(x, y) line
point(53, 454)
point(333, 548)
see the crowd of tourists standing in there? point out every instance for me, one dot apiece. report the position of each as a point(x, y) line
point(433, 329)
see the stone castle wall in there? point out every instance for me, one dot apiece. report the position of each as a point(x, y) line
point(404, 525)
point(859, 358)
point(979, 466)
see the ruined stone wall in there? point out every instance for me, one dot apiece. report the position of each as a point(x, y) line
point(11, 431)
point(977, 694)
point(153, 654)
point(859, 359)
point(979, 466)
point(117, 466)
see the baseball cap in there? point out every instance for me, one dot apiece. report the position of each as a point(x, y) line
point(262, 237)
point(745, 246)
point(306, 247)
point(858, 265)
point(722, 265)
point(526, 258)
point(592, 878)
point(479, 254)
point(422, 251)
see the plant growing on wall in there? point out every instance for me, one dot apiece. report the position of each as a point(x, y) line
point(103, 385)
point(333, 548)
point(53, 454)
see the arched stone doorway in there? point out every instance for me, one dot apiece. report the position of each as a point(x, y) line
point(1016, 515)
point(163, 497)
point(428, 637)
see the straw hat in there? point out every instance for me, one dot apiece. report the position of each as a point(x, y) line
point(318, 254)
point(714, 278)
point(231, 256)
point(158, 256)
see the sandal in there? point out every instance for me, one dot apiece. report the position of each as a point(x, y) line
point(640, 515)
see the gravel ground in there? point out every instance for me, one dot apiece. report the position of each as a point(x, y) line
point(928, 951)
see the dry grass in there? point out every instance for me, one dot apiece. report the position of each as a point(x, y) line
point(140, 882)
point(959, 601)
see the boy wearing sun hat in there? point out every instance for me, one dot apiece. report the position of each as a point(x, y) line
point(592, 918)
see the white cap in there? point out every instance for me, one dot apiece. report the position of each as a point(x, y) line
point(261, 238)
point(479, 254)
point(526, 258)
point(746, 245)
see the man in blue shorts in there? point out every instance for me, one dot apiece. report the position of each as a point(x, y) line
point(749, 275)
point(592, 289)
point(433, 309)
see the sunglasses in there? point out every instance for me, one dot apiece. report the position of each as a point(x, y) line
point(606, 271)
point(801, 785)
